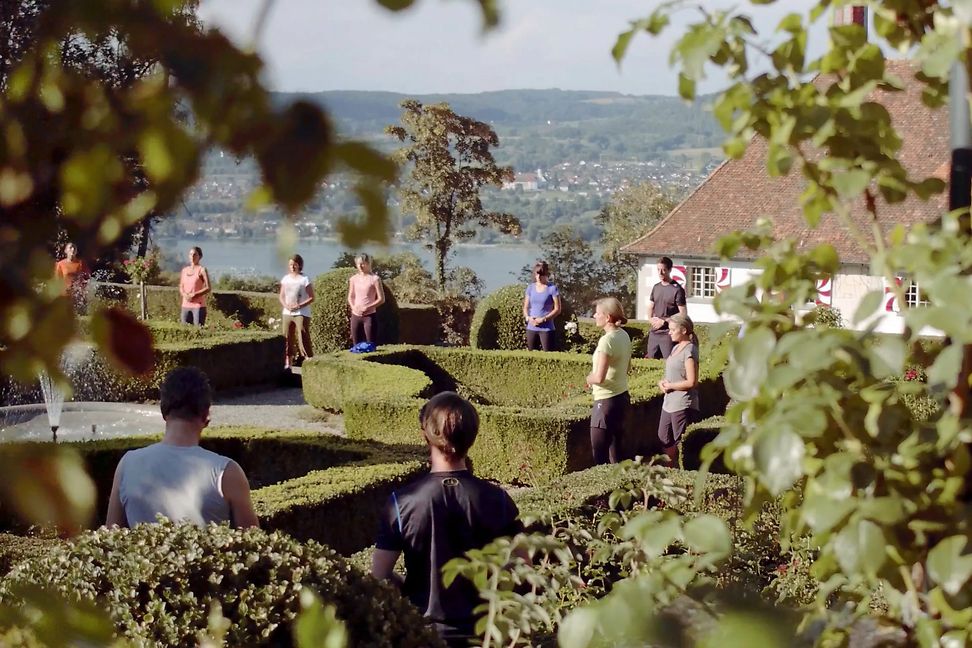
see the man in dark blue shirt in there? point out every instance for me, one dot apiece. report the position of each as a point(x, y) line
point(667, 298)
point(442, 516)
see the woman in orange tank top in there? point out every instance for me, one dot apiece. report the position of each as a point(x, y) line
point(74, 273)
point(193, 287)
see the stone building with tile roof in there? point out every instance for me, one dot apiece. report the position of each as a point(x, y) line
point(740, 191)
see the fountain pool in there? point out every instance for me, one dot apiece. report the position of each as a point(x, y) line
point(80, 421)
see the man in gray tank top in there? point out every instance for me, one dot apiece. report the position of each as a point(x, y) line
point(175, 477)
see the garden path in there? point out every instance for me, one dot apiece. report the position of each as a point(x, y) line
point(280, 408)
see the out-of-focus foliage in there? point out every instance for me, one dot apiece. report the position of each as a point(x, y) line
point(106, 153)
point(875, 488)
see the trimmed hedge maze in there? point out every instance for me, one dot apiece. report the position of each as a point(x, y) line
point(533, 407)
point(316, 487)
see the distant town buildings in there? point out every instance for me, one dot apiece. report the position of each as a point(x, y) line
point(216, 206)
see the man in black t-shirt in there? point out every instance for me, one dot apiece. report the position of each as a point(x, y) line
point(667, 298)
point(442, 516)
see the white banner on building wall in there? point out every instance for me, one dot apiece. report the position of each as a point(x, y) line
point(678, 274)
point(891, 304)
point(723, 279)
point(825, 291)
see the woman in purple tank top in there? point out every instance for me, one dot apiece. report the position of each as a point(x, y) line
point(541, 304)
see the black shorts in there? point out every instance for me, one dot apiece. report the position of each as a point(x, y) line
point(660, 345)
point(608, 413)
point(671, 425)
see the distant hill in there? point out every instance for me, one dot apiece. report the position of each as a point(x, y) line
point(540, 128)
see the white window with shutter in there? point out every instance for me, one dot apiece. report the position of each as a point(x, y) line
point(703, 282)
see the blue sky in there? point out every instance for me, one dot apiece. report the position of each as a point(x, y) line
point(438, 45)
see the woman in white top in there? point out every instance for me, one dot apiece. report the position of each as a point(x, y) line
point(296, 296)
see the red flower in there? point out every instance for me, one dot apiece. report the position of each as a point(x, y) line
point(237, 324)
point(911, 374)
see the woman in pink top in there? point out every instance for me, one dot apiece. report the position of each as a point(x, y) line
point(194, 286)
point(365, 295)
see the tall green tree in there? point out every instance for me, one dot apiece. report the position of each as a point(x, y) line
point(450, 162)
point(631, 214)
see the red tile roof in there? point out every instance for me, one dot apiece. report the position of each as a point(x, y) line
point(740, 191)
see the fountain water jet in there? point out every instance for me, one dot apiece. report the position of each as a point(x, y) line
point(53, 401)
point(85, 420)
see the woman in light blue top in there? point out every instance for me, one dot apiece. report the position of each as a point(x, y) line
point(541, 304)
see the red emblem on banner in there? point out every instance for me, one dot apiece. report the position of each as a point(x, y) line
point(825, 288)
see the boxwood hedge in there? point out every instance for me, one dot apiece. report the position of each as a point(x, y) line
point(229, 357)
point(533, 408)
point(158, 583)
point(418, 323)
point(696, 437)
point(223, 306)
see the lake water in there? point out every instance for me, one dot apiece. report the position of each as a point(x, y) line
point(496, 265)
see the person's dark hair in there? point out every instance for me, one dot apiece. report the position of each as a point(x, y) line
point(542, 268)
point(299, 260)
point(185, 394)
point(450, 423)
point(197, 250)
point(667, 262)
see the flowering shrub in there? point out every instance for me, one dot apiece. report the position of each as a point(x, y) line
point(140, 269)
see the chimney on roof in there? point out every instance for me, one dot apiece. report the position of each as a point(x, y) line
point(850, 15)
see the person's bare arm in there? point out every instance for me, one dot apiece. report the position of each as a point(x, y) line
point(526, 312)
point(381, 294)
point(116, 512)
point(654, 321)
point(683, 309)
point(206, 287)
point(556, 309)
point(383, 565)
point(351, 296)
point(310, 296)
point(281, 298)
point(236, 492)
point(597, 376)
